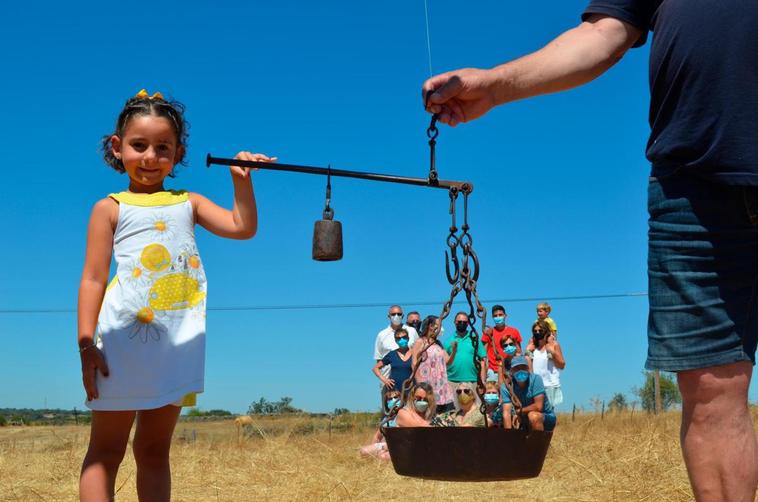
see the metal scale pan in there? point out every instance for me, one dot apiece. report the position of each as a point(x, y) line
point(467, 453)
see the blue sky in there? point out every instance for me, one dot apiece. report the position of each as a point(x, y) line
point(558, 208)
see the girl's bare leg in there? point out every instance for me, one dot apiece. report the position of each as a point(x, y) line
point(109, 434)
point(152, 443)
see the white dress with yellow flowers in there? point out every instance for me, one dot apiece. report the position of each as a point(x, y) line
point(151, 327)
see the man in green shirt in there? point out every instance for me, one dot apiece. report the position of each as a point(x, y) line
point(462, 369)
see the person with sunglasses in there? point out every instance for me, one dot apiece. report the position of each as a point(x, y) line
point(468, 413)
point(536, 410)
point(510, 349)
point(385, 339)
point(420, 408)
point(548, 360)
point(399, 361)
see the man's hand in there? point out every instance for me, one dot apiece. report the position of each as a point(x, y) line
point(460, 95)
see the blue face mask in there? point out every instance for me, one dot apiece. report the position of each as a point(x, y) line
point(510, 350)
point(521, 376)
point(422, 405)
point(391, 403)
point(402, 343)
point(499, 321)
point(491, 398)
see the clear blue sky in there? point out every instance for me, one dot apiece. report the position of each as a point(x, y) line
point(558, 209)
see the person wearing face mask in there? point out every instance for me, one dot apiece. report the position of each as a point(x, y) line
point(536, 408)
point(432, 362)
point(385, 339)
point(510, 350)
point(399, 361)
point(420, 408)
point(462, 368)
point(492, 403)
point(414, 321)
point(547, 360)
point(378, 447)
point(468, 414)
point(492, 338)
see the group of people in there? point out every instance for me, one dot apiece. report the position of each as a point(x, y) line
point(428, 379)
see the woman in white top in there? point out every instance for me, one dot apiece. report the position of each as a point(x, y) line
point(547, 360)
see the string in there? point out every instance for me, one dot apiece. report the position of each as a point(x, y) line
point(428, 43)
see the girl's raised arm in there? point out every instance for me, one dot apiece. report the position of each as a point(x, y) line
point(92, 289)
point(242, 221)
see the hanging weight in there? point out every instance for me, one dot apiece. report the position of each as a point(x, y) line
point(327, 238)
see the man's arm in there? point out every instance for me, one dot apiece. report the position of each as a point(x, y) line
point(574, 58)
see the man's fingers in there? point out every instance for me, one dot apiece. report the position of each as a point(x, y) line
point(447, 91)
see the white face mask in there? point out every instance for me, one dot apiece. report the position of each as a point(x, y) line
point(396, 319)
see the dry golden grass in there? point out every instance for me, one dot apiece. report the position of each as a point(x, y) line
point(622, 457)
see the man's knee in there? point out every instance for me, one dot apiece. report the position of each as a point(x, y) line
point(536, 418)
point(711, 386)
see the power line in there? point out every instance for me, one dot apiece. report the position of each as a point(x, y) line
point(324, 306)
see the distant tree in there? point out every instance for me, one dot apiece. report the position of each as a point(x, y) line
point(618, 402)
point(219, 413)
point(669, 392)
point(340, 411)
point(3, 421)
point(194, 412)
point(265, 407)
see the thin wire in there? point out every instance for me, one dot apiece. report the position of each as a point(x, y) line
point(241, 308)
point(428, 43)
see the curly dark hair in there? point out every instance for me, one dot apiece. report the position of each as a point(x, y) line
point(136, 106)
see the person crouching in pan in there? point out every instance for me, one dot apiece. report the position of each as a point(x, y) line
point(536, 410)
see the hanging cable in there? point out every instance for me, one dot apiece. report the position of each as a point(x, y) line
point(428, 42)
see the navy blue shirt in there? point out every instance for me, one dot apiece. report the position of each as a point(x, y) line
point(399, 370)
point(703, 84)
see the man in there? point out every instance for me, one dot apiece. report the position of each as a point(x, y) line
point(414, 320)
point(385, 339)
point(493, 339)
point(703, 195)
point(536, 408)
point(462, 369)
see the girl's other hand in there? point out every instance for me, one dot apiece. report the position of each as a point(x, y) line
point(92, 360)
point(244, 172)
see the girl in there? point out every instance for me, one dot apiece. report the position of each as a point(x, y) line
point(142, 339)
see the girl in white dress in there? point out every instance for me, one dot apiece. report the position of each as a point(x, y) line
point(142, 337)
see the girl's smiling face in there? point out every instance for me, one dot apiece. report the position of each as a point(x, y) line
point(148, 150)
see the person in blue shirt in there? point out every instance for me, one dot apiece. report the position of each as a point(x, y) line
point(399, 361)
point(535, 406)
point(702, 199)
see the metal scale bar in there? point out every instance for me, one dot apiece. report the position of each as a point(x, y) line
point(463, 186)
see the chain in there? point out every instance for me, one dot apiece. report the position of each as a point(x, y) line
point(432, 132)
point(462, 271)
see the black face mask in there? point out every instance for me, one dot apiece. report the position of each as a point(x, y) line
point(538, 336)
point(461, 326)
point(415, 325)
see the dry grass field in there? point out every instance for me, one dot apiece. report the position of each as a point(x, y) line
point(621, 457)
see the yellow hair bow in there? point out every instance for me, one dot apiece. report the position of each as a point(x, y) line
point(143, 94)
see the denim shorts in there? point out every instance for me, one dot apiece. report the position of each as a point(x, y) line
point(702, 273)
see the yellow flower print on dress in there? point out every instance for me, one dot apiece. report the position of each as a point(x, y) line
point(142, 321)
point(135, 274)
point(155, 257)
point(175, 292)
point(189, 262)
point(161, 227)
